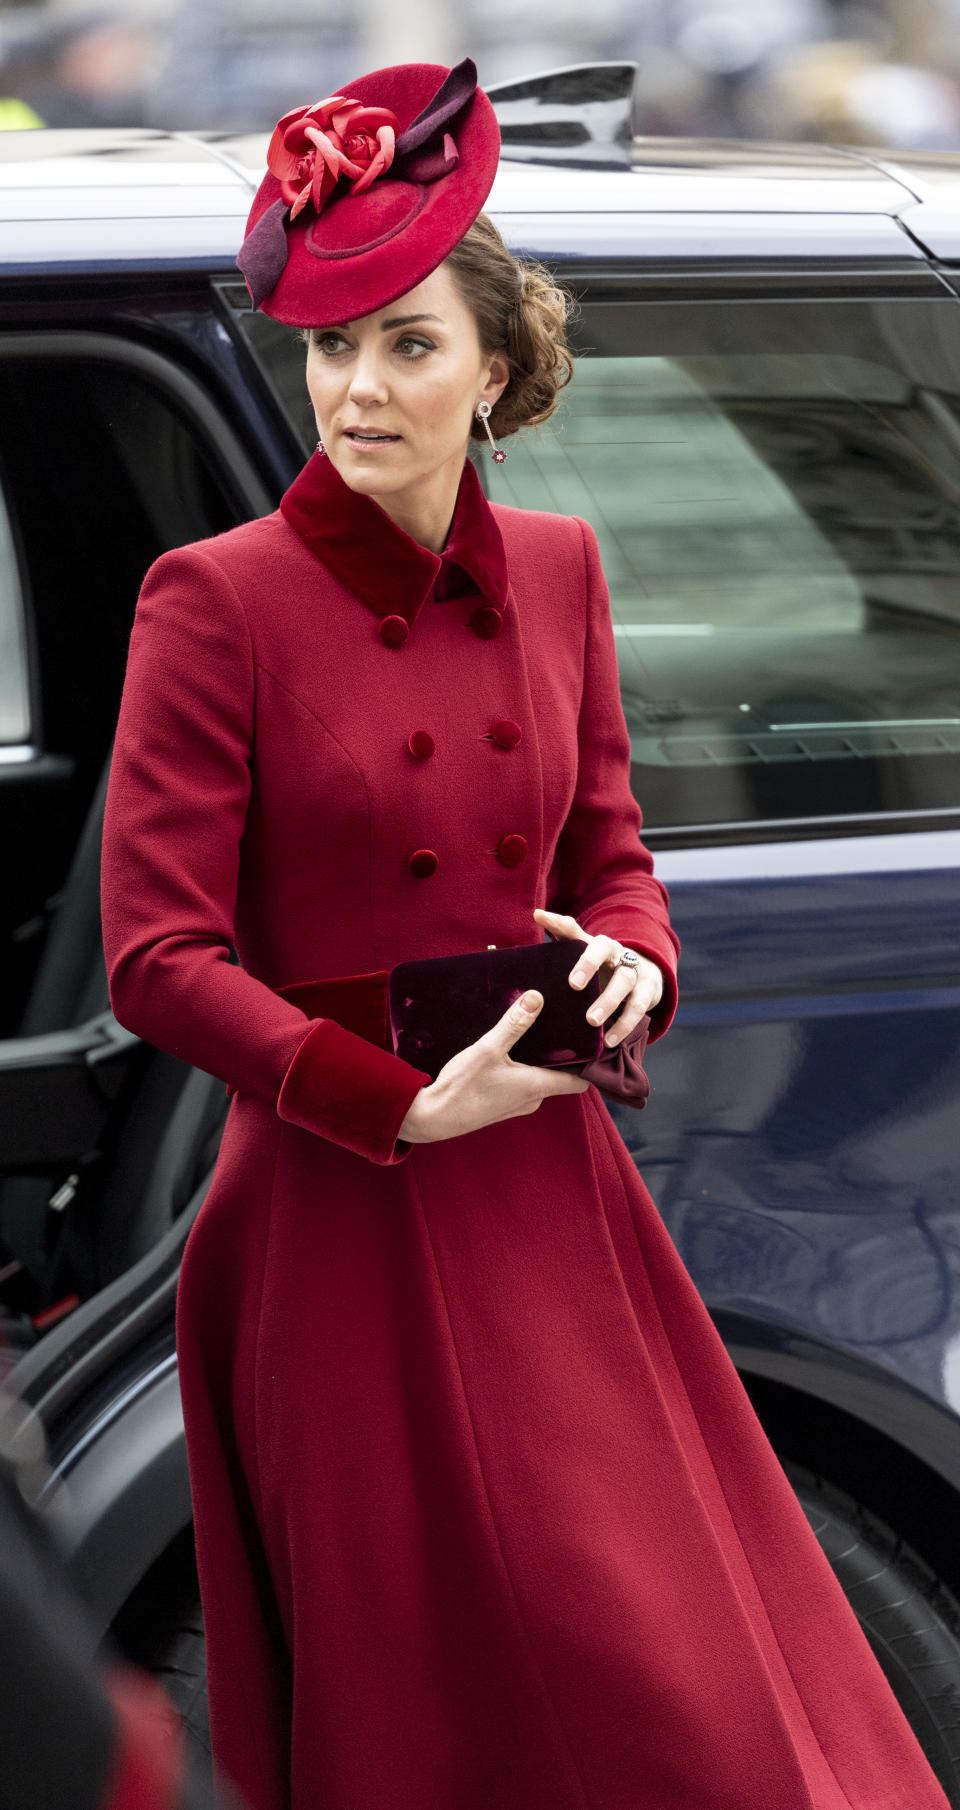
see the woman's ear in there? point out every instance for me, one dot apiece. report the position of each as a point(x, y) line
point(498, 376)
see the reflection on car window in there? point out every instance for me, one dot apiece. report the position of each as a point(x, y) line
point(780, 529)
point(14, 693)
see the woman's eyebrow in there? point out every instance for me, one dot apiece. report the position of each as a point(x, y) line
point(404, 321)
point(396, 320)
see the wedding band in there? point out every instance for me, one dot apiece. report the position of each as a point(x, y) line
point(628, 958)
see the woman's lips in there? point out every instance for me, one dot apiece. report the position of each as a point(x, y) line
point(358, 441)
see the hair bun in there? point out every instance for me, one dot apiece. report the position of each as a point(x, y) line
point(522, 312)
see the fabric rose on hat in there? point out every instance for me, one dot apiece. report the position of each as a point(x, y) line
point(312, 147)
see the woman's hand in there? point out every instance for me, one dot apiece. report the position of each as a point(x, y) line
point(480, 1084)
point(641, 988)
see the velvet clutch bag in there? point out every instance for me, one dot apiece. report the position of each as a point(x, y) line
point(440, 1004)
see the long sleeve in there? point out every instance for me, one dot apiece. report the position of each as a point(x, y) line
point(180, 783)
point(602, 873)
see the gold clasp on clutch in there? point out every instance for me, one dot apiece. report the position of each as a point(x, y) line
point(491, 945)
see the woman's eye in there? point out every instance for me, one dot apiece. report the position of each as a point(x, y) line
point(330, 344)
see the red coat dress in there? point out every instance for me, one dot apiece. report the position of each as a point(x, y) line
point(484, 1518)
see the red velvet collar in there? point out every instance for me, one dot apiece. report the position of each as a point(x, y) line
point(381, 564)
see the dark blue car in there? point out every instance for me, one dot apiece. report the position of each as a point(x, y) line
point(764, 430)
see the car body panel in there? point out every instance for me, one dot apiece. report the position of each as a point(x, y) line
point(661, 235)
point(69, 204)
point(802, 1145)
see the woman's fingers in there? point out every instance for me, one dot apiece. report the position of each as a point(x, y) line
point(644, 989)
point(641, 987)
point(558, 923)
point(600, 952)
point(512, 1024)
point(621, 986)
point(599, 949)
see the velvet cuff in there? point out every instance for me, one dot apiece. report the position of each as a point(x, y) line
point(345, 1088)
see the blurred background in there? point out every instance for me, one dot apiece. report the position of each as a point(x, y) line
point(855, 71)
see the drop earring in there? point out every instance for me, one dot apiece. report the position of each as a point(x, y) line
point(483, 410)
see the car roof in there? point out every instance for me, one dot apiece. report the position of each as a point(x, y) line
point(131, 197)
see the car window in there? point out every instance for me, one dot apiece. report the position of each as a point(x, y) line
point(279, 355)
point(776, 492)
point(775, 487)
point(14, 689)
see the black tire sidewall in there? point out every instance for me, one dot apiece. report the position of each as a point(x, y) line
point(911, 1620)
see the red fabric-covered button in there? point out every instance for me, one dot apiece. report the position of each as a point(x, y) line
point(486, 621)
point(506, 733)
point(421, 743)
point(422, 863)
point(512, 850)
point(393, 631)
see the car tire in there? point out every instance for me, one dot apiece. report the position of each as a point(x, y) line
point(910, 1618)
point(172, 1648)
point(181, 1668)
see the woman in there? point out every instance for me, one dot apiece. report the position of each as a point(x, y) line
point(484, 1518)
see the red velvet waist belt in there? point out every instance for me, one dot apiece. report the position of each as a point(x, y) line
point(357, 1001)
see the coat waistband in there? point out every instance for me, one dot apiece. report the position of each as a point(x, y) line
point(356, 1001)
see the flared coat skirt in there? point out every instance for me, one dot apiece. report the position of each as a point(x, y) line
point(485, 1520)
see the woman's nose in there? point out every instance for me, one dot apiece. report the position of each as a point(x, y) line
point(368, 379)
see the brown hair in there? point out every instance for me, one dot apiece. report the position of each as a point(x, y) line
point(522, 313)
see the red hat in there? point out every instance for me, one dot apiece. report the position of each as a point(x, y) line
point(367, 191)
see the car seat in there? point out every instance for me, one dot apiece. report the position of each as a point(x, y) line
point(103, 1139)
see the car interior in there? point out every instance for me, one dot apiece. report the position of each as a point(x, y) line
point(107, 1143)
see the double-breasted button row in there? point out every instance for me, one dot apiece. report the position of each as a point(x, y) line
point(485, 622)
point(511, 850)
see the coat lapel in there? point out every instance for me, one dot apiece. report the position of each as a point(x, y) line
point(384, 567)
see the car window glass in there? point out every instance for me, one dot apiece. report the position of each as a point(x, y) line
point(14, 693)
point(776, 493)
point(280, 356)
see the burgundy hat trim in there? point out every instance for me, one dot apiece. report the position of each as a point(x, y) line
point(263, 255)
point(452, 94)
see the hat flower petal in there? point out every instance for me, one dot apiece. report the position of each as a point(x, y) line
point(312, 147)
point(281, 156)
point(380, 160)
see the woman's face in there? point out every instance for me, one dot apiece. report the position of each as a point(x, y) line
point(416, 379)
